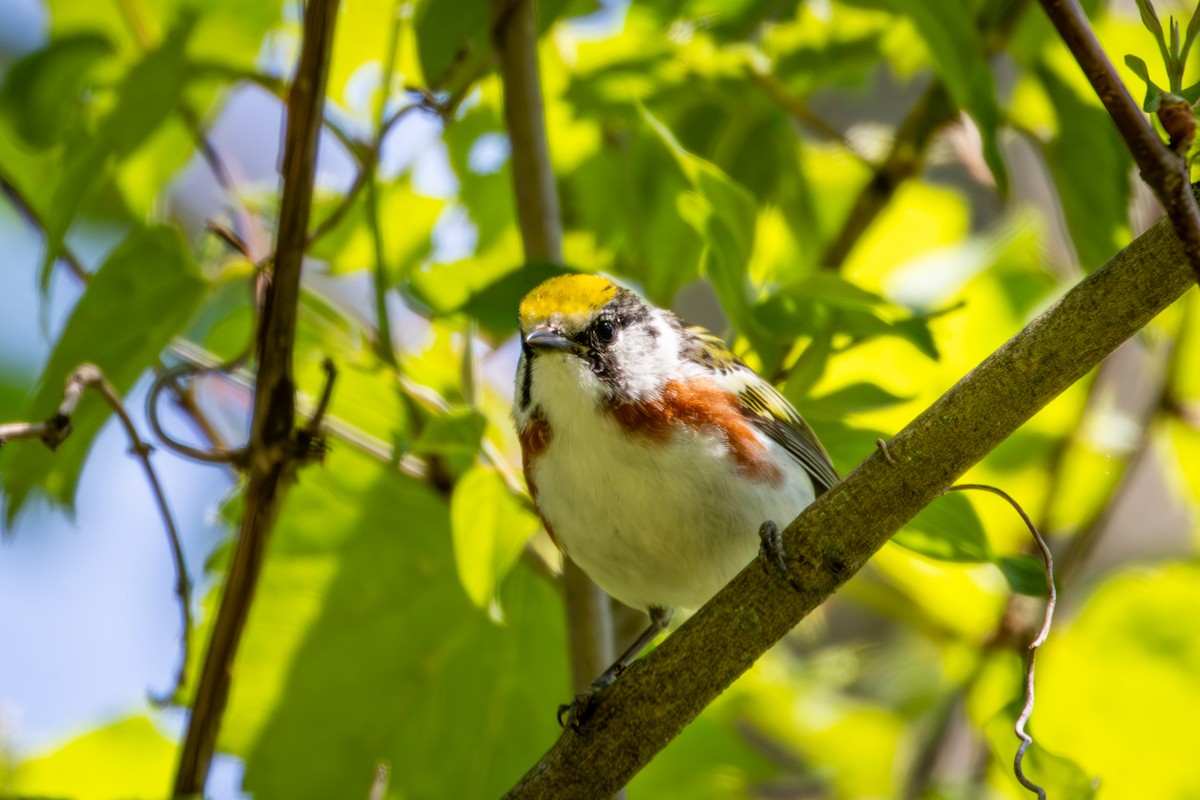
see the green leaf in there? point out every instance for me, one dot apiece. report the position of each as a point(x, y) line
point(709, 760)
point(41, 92)
point(495, 305)
point(1153, 93)
point(856, 397)
point(145, 98)
point(723, 212)
point(490, 527)
point(810, 366)
point(406, 228)
point(360, 592)
point(948, 529)
point(450, 33)
point(1025, 574)
point(458, 432)
point(1126, 662)
point(956, 47)
point(1091, 168)
point(488, 197)
point(847, 445)
point(129, 758)
point(143, 294)
point(1193, 29)
point(1150, 19)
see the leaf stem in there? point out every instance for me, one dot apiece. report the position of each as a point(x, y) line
point(1164, 170)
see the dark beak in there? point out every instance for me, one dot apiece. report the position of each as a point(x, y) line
point(546, 339)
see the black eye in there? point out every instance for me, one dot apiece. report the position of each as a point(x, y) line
point(605, 332)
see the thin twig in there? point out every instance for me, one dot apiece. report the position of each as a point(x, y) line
point(251, 233)
point(801, 112)
point(58, 428)
point(230, 238)
point(65, 254)
point(183, 590)
point(271, 457)
point(1038, 640)
point(1162, 168)
point(170, 377)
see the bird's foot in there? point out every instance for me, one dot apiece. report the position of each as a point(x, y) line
point(770, 553)
point(572, 715)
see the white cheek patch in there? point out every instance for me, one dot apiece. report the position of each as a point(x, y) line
point(647, 357)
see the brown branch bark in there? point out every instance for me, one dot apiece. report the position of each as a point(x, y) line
point(514, 33)
point(271, 453)
point(659, 695)
point(1162, 168)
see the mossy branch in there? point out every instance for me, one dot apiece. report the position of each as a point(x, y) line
point(659, 695)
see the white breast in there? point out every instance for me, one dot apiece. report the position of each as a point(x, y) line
point(654, 524)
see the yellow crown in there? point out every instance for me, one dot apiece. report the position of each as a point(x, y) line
point(566, 296)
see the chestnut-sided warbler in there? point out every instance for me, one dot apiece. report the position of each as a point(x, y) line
point(653, 453)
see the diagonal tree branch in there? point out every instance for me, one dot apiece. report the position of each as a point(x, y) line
point(659, 695)
point(271, 456)
point(1162, 168)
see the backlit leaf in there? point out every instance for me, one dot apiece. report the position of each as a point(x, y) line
point(143, 294)
point(489, 526)
point(948, 529)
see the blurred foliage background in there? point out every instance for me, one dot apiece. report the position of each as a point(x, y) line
point(866, 196)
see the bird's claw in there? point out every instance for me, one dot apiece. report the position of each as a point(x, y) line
point(583, 704)
point(770, 553)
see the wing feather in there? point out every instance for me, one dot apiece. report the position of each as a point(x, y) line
point(766, 408)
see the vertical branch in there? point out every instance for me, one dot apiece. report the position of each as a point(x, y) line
point(271, 455)
point(514, 28)
point(514, 31)
point(1162, 168)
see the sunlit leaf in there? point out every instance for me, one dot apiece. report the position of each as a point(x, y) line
point(360, 592)
point(1127, 663)
point(130, 759)
point(1059, 776)
point(406, 221)
point(1153, 93)
point(723, 213)
point(495, 305)
point(850, 399)
point(489, 526)
point(1090, 165)
point(956, 48)
point(455, 433)
point(145, 98)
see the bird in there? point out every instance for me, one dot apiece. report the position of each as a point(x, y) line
point(657, 460)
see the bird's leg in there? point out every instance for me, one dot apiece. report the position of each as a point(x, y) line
point(770, 553)
point(583, 703)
